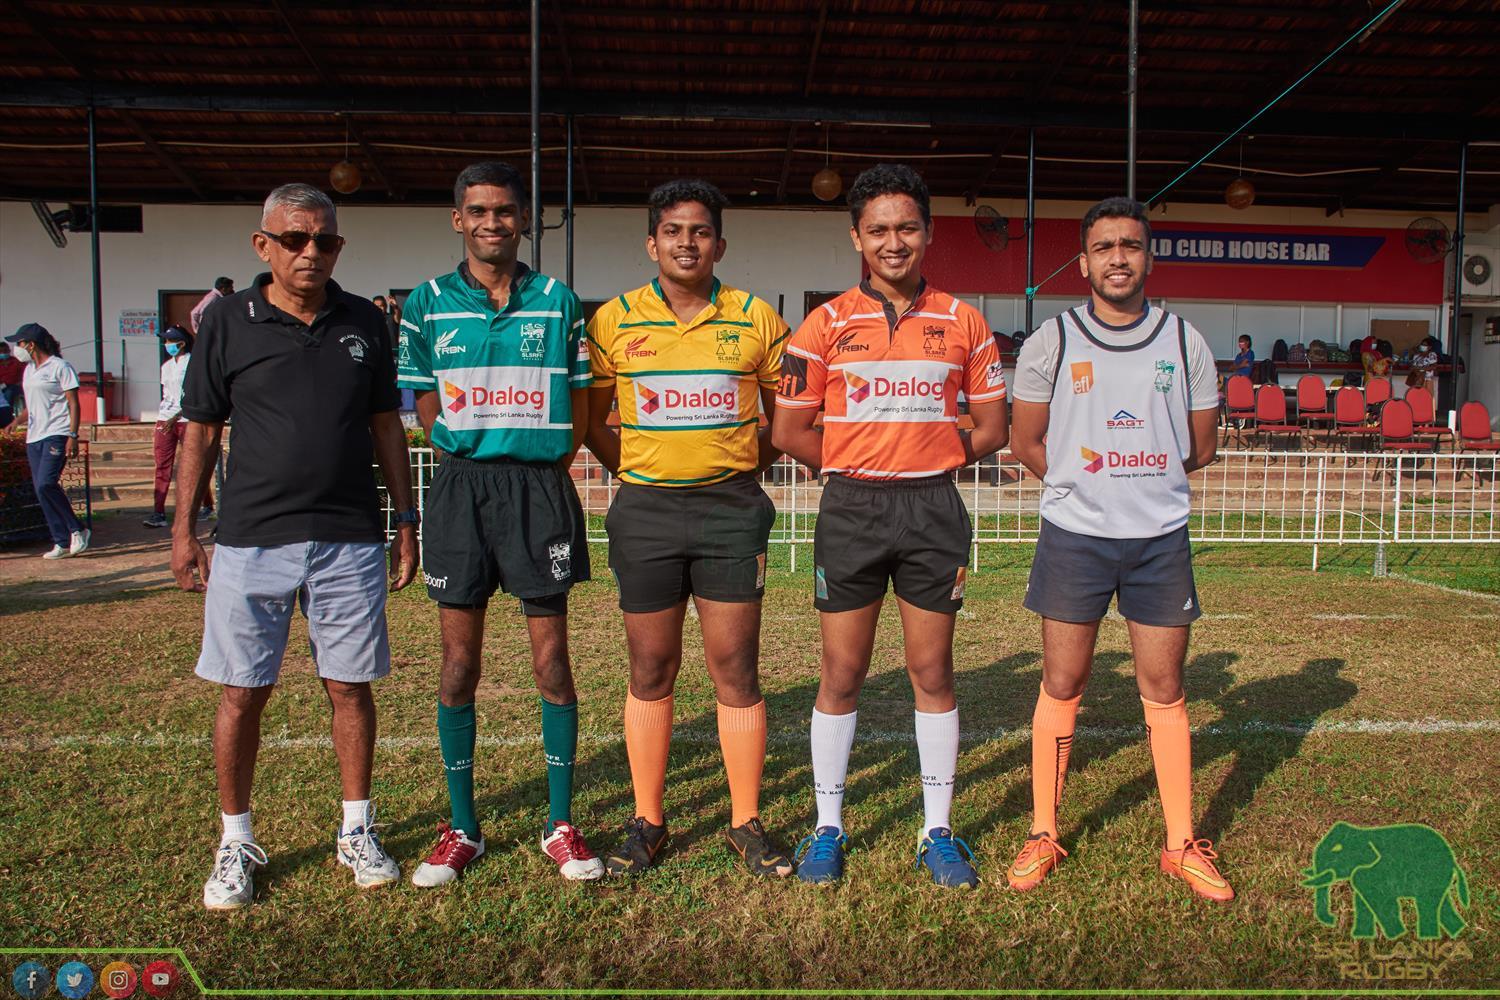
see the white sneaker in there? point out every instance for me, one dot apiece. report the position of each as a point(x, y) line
point(453, 853)
point(80, 542)
point(574, 860)
point(56, 552)
point(232, 884)
point(361, 850)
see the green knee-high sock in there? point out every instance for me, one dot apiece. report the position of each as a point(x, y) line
point(560, 744)
point(456, 738)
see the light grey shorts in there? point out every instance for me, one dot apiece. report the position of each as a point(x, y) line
point(248, 611)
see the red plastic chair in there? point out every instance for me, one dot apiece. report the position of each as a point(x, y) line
point(1377, 391)
point(1398, 429)
point(1270, 413)
point(1420, 401)
point(1239, 403)
point(1312, 403)
point(1350, 419)
point(1474, 436)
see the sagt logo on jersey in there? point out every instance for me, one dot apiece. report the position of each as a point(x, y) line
point(562, 560)
point(846, 344)
point(458, 399)
point(1164, 372)
point(1083, 376)
point(531, 340)
point(729, 345)
point(933, 343)
point(1124, 420)
point(444, 344)
point(637, 349)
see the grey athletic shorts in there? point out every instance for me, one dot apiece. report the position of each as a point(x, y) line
point(251, 595)
point(1074, 576)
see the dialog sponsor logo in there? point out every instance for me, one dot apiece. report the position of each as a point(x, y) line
point(687, 400)
point(896, 390)
point(1124, 420)
point(482, 398)
point(1083, 376)
point(1125, 464)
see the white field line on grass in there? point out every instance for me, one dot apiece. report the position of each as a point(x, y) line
point(782, 737)
point(1447, 590)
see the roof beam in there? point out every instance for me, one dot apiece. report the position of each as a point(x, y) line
point(554, 7)
point(174, 167)
point(807, 80)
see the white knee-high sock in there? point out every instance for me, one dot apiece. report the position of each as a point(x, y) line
point(937, 749)
point(832, 740)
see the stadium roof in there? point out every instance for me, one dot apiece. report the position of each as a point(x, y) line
point(217, 100)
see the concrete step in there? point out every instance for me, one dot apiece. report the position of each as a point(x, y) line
point(134, 494)
point(121, 432)
point(122, 458)
point(115, 474)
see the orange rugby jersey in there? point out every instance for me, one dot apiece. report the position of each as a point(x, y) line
point(889, 384)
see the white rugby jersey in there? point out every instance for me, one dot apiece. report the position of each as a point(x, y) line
point(1117, 433)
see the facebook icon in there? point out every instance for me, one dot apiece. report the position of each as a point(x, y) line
point(30, 980)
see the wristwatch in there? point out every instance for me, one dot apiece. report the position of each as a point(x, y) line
point(408, 516)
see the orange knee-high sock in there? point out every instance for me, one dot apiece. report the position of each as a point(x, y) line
point(648, 737)
point(1172, 752)
point(1051, 741)
point(742, 738)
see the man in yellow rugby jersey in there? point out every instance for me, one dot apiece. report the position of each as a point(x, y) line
point(694, 365)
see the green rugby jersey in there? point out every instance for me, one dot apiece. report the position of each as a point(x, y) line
point(502, 378)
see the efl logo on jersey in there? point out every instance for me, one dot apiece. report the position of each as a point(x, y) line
point(636, 348)
point(1093, 461)
point(458, 399)
point(1083, 376)
point(856, 389)
point(1124, 420)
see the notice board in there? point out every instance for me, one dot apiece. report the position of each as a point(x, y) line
point(1402, 333)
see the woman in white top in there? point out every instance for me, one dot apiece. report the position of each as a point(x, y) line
point(50, 386)
point(1426, 362)
point(169, 423)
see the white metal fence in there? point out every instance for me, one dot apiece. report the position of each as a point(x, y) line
point(1305, 497)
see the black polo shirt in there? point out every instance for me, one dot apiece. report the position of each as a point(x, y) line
point(300, 452)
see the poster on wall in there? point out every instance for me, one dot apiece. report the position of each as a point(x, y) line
point(138, 323)
point(1492, 330)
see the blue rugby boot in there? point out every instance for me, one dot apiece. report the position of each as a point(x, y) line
point(820, 856)
point(944, 856)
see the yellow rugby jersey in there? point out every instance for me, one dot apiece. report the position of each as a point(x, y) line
point(689, 393)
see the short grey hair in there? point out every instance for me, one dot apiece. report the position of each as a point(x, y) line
point(303, 196)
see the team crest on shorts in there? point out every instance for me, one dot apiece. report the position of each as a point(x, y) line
point(959, 579)
point(562, 560)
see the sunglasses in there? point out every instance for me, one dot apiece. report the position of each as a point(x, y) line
point(295, 241)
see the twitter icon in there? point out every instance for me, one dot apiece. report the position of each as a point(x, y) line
point(75, 980)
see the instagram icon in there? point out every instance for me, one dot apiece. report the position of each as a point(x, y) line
point(117, 979)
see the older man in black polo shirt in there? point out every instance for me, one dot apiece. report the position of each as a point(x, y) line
point(307, 373)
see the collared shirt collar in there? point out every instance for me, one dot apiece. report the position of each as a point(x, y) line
point(708, 310)
point(518, 278)
point(886, 306)
point(260, 309)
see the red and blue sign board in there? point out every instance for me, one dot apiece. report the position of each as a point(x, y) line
point(1313, 264)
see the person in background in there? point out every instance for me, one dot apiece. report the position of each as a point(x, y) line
point(11, 372)
point(1244, 361)
point(51, 387)
point(1426, 361)
point(178, 344)
point(222, 286)
point(388, 310)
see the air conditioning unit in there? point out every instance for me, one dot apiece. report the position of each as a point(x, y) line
point(1479, 272)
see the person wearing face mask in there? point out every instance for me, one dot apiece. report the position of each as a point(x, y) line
point(51, 387)
point(178, 344)
point(11, 372)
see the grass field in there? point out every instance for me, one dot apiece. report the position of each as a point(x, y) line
point(1316, 698)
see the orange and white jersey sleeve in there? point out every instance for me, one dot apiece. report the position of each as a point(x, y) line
point(984, 378)
point(804, 366)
